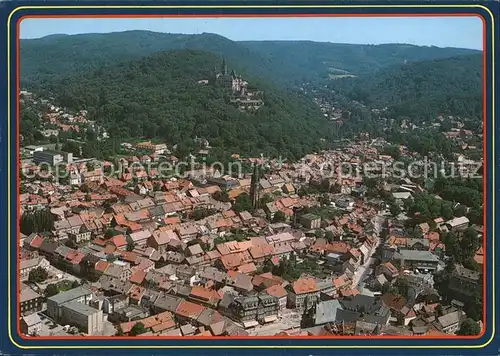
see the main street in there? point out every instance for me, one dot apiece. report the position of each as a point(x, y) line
point(362, 271)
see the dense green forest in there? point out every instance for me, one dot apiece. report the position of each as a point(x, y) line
point(41, 59)
point(425, 89)
point(135, 90)
point(160, 97)
point(284, 62)
point(316, 60)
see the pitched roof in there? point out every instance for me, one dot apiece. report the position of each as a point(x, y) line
point(234, 260)
point(395, 302)
point(138, 277)
point(304, 285)
point(326, 311)
point(101, 266)
point(458, 221)
point(276, 291)
point(140, 235)
point(163, 237)
point(189, 310)
point(118, 241)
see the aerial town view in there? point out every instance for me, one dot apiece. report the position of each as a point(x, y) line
point(179, 182)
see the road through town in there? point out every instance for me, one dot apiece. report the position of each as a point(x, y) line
point(362, 271)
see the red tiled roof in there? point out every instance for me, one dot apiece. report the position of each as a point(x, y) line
point(172, 220)
point(247, 268)
point(261, 250)
point(349, 292)
point(229, 214)
point(479, 256)
point(109, 249)
point(204, 293)
point(432, 236)
point(75, 257)
point(337, 247)
point(129, 256)
point(339, 282)
point(163, 326)
point(276, 291)
point(304, 285)
point(234, 260)
point(395, 302)
point(391, 267)
point(138, 277)
point(136, 292)
point(189, 310)
point(37, 241)
point(101, 266)
point(118, 241)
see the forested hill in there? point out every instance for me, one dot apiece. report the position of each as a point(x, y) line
point(57, 56)
point(160, 97)
point(321, 59)
point(447, 86)
point(284, 62)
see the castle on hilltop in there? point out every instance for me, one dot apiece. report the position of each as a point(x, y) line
point(242, 97)
point(231, 80)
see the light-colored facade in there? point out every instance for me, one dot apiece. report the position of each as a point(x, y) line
point(302, 300)
point(80, 236)
point(450, 323)
point(52, 157)
point(86, 318)
point(56, 302)
point(31, 325)
point(26, 266)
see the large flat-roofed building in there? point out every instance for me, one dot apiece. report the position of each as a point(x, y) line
point(52, 157)
point(56, 302)
point(88, 319)
point(416, 259)
point(72, 307)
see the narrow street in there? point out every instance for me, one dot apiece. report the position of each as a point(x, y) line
point(362, 271)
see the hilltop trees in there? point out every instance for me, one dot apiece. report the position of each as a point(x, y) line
point(160, 97)
point(422, 89)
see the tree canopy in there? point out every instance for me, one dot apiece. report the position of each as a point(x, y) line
point(469, 327)
point(160, 97)
point(38, 274)
point(422, 89)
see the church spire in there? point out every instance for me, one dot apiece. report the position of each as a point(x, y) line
point(254, 186)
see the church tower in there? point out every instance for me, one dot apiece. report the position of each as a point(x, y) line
point(255, 186)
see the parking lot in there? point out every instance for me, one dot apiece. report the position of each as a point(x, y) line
point(50, 328)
